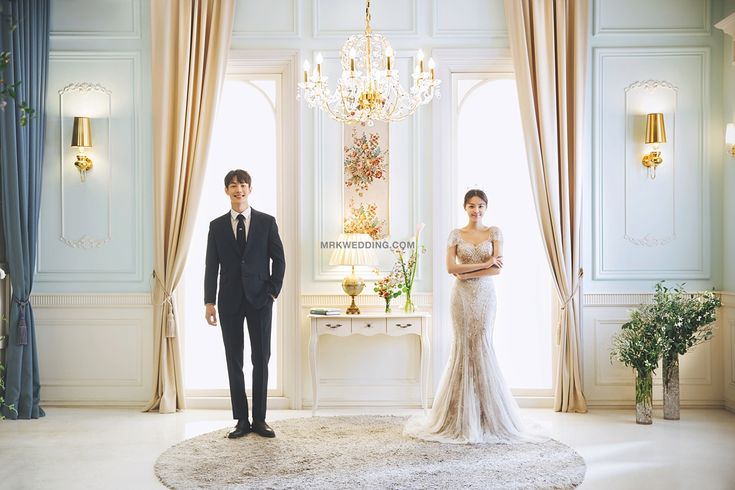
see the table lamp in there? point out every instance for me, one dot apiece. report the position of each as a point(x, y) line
point(355, 251)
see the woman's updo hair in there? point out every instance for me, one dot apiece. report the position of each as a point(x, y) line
point(474, 193)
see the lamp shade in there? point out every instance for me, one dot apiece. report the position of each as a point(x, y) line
point(355, 250)
point(655, 130)
point(730, 134)
point(81, 134)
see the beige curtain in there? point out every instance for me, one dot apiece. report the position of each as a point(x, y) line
point(190, 41)
point(548, 40)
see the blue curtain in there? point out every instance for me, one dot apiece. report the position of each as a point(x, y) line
point(21, 159)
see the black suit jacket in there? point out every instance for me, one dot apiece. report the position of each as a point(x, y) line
point(248, 275)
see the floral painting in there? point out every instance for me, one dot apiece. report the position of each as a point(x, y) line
point(366, 196)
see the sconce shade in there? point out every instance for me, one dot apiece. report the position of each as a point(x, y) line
point(730, 134)
point(655, 130)
point(81, 135)
point(355, 255)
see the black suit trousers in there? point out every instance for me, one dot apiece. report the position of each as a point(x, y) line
point(259, 331)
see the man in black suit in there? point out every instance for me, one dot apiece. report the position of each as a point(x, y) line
point(240, 247)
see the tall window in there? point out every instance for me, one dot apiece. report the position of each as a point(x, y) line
point(491, 156)
point(245, 135)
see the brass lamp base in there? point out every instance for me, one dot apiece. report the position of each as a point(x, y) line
point(353, 285)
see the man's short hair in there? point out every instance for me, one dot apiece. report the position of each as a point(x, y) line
point(238, 175)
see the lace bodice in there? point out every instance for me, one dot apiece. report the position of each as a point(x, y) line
point(469, 253)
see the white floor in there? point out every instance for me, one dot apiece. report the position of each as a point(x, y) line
point(76, 448)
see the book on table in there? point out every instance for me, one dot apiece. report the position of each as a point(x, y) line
point(325, 311)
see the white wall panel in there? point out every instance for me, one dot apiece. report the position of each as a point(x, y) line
point(92, 231)
point(100, 352)
point(468, 18)
point(274, 18)
point(651, 16)
point(404, 171)
point(610, 383)
point(651, 228)
point(338, 18)
point(111, 19)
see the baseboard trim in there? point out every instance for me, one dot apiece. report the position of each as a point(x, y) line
point(627, 404)
point(94, 403)
point(223, 402)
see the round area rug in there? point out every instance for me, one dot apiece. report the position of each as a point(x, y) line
point(362, 452)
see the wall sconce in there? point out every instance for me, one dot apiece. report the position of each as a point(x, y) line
point(81, 138)
point(730, 138)
point(655, 135)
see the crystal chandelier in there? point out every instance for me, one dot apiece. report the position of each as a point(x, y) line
point(369, 88)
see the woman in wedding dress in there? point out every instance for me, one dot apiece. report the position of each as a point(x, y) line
point(473, 403)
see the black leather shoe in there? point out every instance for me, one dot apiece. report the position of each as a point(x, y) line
point(263, 429)
point(241, 429)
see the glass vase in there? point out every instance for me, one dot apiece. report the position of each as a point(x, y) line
point(643, 397)
point(671, 386)
point(387, 305)
point(409, 307)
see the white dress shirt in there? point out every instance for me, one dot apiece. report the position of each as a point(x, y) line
point(233, 221)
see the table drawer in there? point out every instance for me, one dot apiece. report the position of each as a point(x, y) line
point(368, 326)
point(333, 326)
point(402, 326)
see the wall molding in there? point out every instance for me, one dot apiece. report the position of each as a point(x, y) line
point(135, 272)
point(700, 147)
point(293, 33)
point(599, 28)
point(84, 241)
point(75, 300)
point(438, 32)
point(134, 33)
point(321, 270)
point(320, 33)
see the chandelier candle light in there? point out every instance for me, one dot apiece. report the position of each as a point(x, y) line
point(369, 88)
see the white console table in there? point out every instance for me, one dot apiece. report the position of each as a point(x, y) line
point(393, 324)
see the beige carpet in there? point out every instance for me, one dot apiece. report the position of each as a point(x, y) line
point(365, 452)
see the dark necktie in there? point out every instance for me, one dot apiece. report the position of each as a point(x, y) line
point(241, 232)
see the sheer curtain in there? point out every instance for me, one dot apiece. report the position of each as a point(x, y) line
point(548, 39)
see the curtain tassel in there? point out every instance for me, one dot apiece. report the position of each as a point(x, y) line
point(22, 326)
point(170, 325)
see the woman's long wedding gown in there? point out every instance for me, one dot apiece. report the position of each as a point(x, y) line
point(473, 403)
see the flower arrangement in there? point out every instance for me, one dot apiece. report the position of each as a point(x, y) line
point(364, 219)
point(364, 161)
point(389, 286)
point(408, 267)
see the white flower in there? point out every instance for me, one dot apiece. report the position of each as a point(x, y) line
point(420, 228)
point(2, 273)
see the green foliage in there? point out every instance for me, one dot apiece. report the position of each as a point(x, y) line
point(687, 319)
point(639, 344)
point(670, 326)
point(10, 91)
